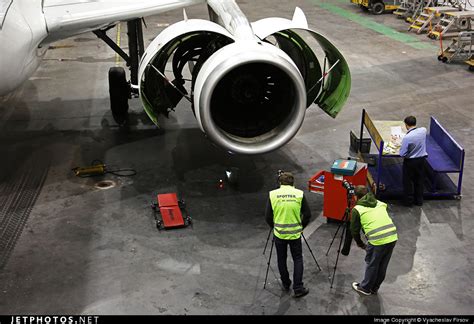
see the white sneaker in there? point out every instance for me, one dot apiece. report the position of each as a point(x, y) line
point(355, 286)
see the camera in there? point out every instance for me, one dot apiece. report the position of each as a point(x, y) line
point(348, 237)
point(348, 186)
point(279, 172)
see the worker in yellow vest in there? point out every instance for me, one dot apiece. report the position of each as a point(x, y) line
point(371, 215)
point(283, 213)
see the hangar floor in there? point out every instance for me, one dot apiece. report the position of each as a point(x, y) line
point(89, 251)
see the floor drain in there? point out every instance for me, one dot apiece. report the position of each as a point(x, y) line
point(106, 184)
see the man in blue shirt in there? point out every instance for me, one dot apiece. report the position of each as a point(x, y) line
point(413, 150)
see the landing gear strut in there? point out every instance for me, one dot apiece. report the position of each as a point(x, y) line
point(120, 89)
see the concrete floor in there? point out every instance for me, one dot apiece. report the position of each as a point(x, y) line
point(82, 250)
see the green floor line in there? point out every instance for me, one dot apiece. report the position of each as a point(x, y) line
point(379, 28)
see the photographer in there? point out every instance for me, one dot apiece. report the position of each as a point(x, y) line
point(283, 213)
point(371, 215)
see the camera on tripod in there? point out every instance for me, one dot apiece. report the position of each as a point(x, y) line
point(348, 236)
point(348, 186)
point(279, 173)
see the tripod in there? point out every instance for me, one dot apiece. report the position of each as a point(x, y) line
point(271, 250)
point(345, 222)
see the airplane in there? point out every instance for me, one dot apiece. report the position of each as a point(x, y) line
point(250, 83)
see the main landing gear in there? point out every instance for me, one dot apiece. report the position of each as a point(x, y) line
point(120, 90)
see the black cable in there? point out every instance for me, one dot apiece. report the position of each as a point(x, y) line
point(123, 172)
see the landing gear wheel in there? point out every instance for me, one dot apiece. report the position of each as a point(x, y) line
point(378, 8)
point(119, 91)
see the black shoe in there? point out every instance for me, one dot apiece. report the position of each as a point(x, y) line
point(286, 287)
point(301, 292)
point(374, 290)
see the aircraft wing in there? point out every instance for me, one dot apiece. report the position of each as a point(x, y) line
point(65, 18)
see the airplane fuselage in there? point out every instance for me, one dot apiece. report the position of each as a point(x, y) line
point(22, 32)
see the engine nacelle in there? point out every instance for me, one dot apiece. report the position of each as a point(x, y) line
point(250, 98)
point(249, 94)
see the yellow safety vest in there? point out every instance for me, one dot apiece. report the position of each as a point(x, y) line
point(286, 205)
point(376, 224)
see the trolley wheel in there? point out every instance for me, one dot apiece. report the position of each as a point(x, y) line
point(378, 8)
point(159, 225)
point(471, 68)
point(181, 203)
point(188, 221)
point(458, 197)
point(119, 91)
point(444, 59)
point(364, 8)
point(440, 57)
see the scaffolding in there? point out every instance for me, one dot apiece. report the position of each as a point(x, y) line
point(428, 18)
point(406, 8)
point(451, 23)
point(418, 9)
point(460, 49)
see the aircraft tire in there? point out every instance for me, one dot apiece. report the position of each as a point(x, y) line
point(119, 91)
point(378, 8)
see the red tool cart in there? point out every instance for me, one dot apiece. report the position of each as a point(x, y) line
point(335, 195)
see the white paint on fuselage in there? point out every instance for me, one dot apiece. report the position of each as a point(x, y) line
point(22, 31)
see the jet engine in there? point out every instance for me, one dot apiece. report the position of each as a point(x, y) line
point(249, 92)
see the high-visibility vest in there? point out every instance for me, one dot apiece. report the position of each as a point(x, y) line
point(377, 225)
point(286, 205)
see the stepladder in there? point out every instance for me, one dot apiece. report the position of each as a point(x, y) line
point(460, 49)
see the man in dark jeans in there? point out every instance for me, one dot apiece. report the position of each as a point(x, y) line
point(283, 213)
point(370, 215)
point(413, 150)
